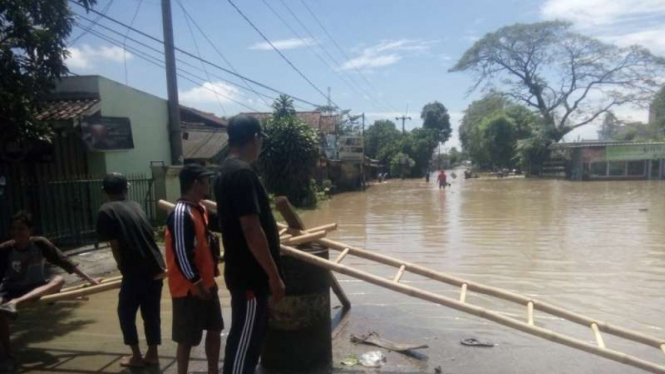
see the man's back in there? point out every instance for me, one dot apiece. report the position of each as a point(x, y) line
point(239, 192)
point(125, 221)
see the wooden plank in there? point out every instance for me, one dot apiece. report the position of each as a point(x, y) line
point(599, 338)
point(529, 307)
point(307, 238)
point(399, 274)
point(341, 256)
point(477, 311)
point(462, 295)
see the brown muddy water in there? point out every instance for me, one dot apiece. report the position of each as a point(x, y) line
point(596, 248)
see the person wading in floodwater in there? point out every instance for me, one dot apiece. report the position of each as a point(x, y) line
point(442, 179)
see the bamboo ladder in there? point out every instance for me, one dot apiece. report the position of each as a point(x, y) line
point(290, 237)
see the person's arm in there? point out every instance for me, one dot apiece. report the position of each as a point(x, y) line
point(182, 226)
point(53, 255)
point(258, 245)
point(245, 203)
point(115, 249)
point(107, 232)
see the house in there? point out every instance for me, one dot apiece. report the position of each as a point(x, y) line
point(99, 126)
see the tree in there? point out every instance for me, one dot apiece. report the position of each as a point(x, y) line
point(288, 160)
point(570, 79)
point(609, 126)
point(658, 110)
point(419, 145)
point(435, 116)
point(382, 140)
point(283, 107)
point(32, 54)
point(500, 138)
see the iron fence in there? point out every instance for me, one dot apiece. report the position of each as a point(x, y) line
point(65, 210)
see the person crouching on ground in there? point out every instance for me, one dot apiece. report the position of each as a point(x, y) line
point(192, 255)
point(24, 278)
point(125, 226)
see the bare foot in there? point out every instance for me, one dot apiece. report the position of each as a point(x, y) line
point(132, 362)
point(151, 360)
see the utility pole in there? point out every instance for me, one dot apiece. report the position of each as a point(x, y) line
point(175, 131)
point(362, 162)
point(403, 118)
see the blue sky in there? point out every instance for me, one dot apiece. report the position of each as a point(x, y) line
point(392, 54)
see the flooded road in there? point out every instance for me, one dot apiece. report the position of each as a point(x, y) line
point(595, 248)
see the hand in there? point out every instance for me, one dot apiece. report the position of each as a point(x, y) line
point(277, 288)
point(96, 281)
point(201, 291)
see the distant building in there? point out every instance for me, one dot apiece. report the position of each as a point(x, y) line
point(613, 160)
point(321, 122)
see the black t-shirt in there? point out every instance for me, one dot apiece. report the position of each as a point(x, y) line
point(126, 222)
point(239, 192)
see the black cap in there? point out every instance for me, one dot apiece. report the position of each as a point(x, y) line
point(242, 129)
point(192, 172)
point(115, 183)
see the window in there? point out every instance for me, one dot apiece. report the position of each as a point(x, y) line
point(636, 168)
point(599, 169)
point(617, 168)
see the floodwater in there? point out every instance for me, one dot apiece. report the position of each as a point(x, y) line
point(596, 248)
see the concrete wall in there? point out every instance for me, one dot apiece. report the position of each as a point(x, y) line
point(148, 115)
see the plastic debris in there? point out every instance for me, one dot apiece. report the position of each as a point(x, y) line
point(350, 361)
point(438, 370)
point(473, 342)
point(373, 359)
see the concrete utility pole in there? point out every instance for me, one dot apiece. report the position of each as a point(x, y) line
point(403, 118)
point(175, 131)
point(362, 162)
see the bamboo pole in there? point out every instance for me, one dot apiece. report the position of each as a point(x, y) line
point(86, 285)
point(462, 295)
point(81, 292)
point(399, 274)
point(285, 237)
point(497, 292)
point(306, 238)
point(341, 256)
point(529, 312)
point(599, 338)
point(282, 231)
point(477, 311)
point(662, 347)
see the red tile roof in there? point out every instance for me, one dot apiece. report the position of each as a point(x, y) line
point(66, 109)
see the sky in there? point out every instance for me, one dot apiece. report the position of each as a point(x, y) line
point(384, 58)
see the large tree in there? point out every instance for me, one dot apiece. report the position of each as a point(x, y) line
point(658, 110)
point(382, 140)
point(570, 79)
point(32, 54)
point(435, 117)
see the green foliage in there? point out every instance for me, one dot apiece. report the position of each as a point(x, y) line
point(382, 140)
point(32, 54)
point(419, 145)
point(401, 165)
point(283, 107)
point(435, 117)
point(658, 108)
point(532, 152)
point(289, 158)
point(491, 128)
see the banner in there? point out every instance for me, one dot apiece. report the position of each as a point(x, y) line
point(107, 133)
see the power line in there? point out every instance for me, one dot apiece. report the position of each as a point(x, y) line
point(161, 52)
point(189, 54)
point(124, 40)
point(94, 22)
point(342, 52)
point(358, 88)
point(279, 52)
point(198, 53)
point(205, 36)
point(155, 61)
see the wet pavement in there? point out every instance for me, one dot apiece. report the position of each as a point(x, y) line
point(595, 248)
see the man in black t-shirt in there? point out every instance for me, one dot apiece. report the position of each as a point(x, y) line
point(251, 246)
point(123, 223)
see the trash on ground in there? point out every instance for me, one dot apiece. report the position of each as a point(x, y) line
point(373, 359)
point(473, 342)
point(438, 370)
point(350, 361)
point(373, 338)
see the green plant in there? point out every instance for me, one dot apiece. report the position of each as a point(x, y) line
point(288, 160)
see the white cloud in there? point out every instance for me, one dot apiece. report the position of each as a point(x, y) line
point(209, 92)
point(85, 57)
point(386, 53)
point(591, 13)
point(651, 38)
point(284, 44)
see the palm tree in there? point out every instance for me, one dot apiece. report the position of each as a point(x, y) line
point(283, 107)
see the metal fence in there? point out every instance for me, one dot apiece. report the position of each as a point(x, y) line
point(65, 210)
